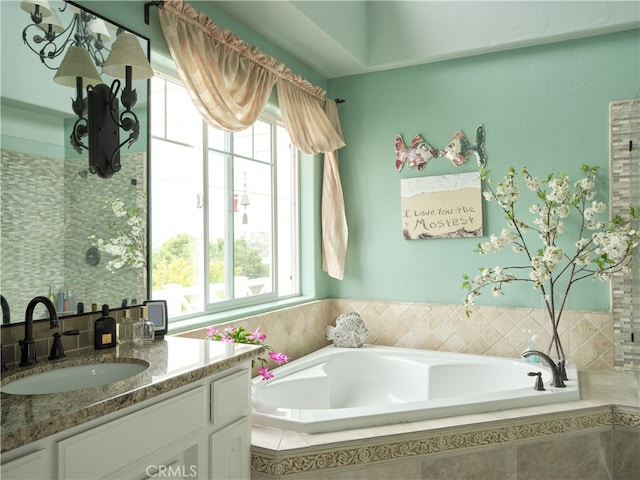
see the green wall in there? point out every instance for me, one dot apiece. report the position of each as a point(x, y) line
point(131, 15)
point(543, 107)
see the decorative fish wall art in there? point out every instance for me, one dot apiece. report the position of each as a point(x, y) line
point(458, 150)
point(417, 154)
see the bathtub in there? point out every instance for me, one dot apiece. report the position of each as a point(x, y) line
point(344, 388)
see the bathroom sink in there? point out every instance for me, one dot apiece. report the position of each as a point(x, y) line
point(73, 378)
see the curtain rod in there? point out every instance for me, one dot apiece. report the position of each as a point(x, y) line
point(160, 3)
point(147, 6)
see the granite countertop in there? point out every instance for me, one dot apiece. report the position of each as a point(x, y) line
point(173, 363)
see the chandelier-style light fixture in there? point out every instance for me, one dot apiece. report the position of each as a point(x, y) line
point(48, 38)
point(84, 44)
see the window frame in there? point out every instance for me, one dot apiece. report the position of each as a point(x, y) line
point(270, 116)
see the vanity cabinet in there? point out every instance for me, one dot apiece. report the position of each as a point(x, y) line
point(229, 448)
point(231, 443)
point(199, 431)
point(130, 443)
point(27, 467)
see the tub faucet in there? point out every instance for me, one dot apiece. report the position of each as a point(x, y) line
point(28, 346)
point(555, 369)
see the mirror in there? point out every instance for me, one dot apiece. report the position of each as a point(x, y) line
point(54, 211)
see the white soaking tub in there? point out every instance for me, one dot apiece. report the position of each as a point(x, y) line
point(343, 388)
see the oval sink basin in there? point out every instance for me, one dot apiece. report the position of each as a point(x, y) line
point(73, 378)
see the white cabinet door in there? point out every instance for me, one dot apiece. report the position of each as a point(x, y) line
point(230, 452)
point(33, 466)
point(185, 459)
point(230, 398)
point(106, 449)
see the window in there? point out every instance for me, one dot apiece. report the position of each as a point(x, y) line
point(224, 221)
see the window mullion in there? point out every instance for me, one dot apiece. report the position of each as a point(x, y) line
point(229, 254)
point(205, 212)
point(274, 208)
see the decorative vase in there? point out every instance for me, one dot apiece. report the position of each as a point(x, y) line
point(554, 307)
point(229, 348)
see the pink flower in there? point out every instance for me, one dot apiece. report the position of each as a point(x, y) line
point(212, 331)
point(227, 339)
point(265, 373)
point(278, 357)
point(257, 335)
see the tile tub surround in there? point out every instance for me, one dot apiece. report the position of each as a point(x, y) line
point(499, 331)
point(174, 362)
point(599, 433)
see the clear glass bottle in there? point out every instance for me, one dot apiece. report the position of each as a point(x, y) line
point(125, 328)
point(143, 329)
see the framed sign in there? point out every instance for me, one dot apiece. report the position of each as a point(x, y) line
point(445, 206)
point(157, 313)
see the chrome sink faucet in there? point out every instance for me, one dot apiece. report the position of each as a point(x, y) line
point(555, 369)
point(28, 346)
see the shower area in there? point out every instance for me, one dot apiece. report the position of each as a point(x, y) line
point(50, 206)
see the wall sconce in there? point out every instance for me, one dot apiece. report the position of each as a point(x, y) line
point(98, 114)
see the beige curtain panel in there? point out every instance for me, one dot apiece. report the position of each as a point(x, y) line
point(228, 88)
point(230, 84)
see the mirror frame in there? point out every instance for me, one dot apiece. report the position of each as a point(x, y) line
point(147, 142)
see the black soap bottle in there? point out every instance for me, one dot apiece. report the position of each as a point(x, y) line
point(104, 330)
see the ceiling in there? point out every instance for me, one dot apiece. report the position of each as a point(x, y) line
point(348, 37)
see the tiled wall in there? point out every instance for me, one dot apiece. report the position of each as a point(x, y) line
point(624, 125)
point(501, 331)
point(32, 226)
point(43, 335)
point(489, 331)
point(93, 218)
point(47, 204)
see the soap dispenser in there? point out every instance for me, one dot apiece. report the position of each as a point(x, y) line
point(104, 330)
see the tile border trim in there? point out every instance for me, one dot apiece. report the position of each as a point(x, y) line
point(349, 454)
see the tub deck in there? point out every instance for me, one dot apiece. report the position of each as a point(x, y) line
point(609, 400)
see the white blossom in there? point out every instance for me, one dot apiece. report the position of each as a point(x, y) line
point(533, 183)
point(559, 189)
point(126, 247)
point(604, 249)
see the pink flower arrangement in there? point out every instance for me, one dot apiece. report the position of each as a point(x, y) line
point(242, 335)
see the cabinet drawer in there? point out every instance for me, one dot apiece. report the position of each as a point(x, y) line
point(230, 398)
point(107, 448)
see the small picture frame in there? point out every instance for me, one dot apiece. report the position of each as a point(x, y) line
point(157, 313)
